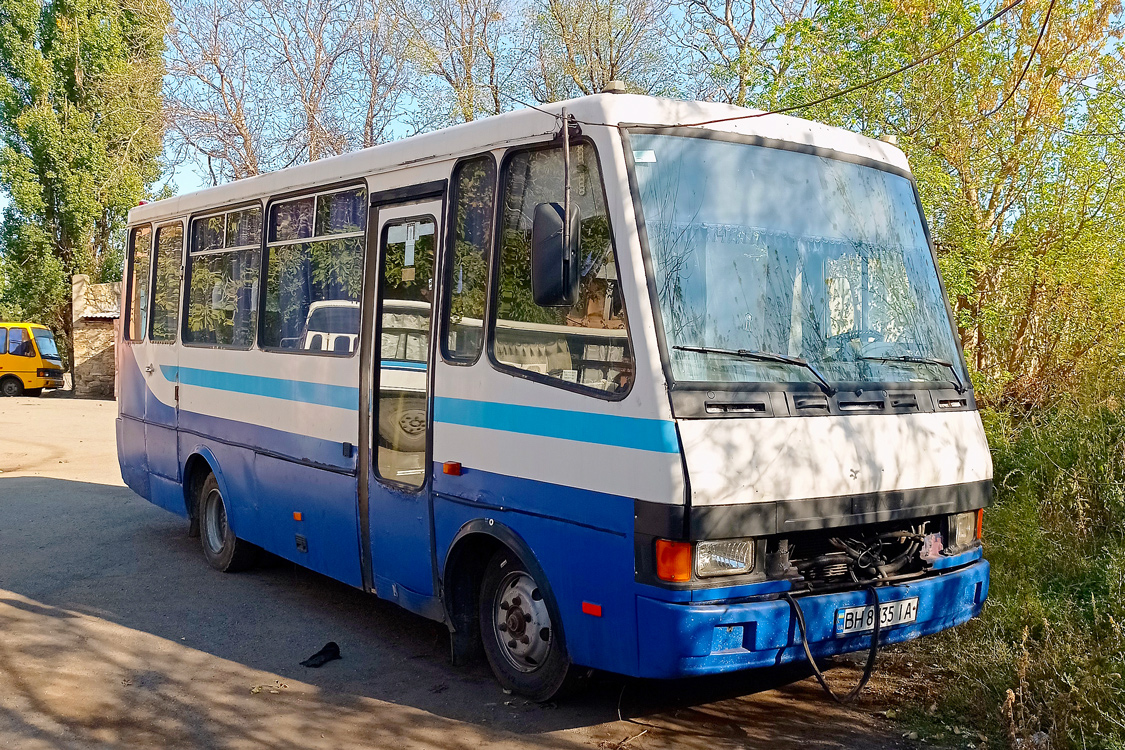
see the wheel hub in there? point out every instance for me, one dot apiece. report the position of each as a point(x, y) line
point(216, 521)
point(413, 423)
point(522, 623)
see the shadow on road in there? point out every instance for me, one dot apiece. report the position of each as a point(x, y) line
point(112, 623)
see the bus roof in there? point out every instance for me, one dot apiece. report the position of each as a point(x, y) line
point(513, 127)
point(9, 324)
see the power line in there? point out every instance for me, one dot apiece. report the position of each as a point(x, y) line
point(1027, 66)
point(920, 61)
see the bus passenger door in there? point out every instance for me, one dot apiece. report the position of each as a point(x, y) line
point(396, 527)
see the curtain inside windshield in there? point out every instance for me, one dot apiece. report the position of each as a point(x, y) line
point(788, 253)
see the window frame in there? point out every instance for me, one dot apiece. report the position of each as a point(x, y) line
point(182, 275)
point(263, 265)
point(377, 358)
point(130, 278)
point(446, 290)
point(26, 338)
point(627, 129)
point(185, 282)
point(493, 298)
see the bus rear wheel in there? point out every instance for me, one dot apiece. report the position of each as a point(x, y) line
point(518, 632)
point(11, 387)
point(224, 551)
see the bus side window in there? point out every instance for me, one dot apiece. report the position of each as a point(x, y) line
point(140, 245)
point(314, 272)
point(466, 274)
point(222, 279)
point(19, 343)
point(166, 284)
point(3, 340)
point(586, 345)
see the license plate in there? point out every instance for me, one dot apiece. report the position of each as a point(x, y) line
point(861, 619)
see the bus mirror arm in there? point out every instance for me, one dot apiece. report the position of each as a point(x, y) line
point(554, 263)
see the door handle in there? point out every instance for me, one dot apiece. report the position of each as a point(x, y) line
point(148, 369)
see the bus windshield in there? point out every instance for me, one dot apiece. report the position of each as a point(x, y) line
point(45, 340)
point(779, 252)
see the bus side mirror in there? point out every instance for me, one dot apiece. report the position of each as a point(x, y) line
point(554, 264)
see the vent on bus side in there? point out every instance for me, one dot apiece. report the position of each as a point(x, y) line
point(811, 403)
point(903, 401)
point(861, 405)
point(752, 407)
point(952, 403)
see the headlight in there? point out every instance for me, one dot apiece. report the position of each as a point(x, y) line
point(724, 558)
point(963, 528)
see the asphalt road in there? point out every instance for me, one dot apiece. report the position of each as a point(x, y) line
point(114, 632)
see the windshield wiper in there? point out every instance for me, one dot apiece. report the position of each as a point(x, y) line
point(764, 357)
point(960, 386)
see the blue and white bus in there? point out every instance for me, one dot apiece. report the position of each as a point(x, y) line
point(631, 395)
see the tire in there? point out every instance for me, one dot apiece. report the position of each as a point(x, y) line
point(520, 642)
point(403, 428)
point(11, 387)
point(224, 551)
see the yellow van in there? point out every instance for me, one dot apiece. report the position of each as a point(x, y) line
point(29, 359)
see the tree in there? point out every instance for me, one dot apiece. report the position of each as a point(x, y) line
point(81, 132)
point(1014, 136)
point(736, 45)
point(216, 103)
point(257, 86)
point(381, 50)
point(468, 48)
point(584, 44)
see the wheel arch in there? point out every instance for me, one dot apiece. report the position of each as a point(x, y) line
point(468, 555)
point(200, 462)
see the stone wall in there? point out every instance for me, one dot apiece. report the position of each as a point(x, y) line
point(95, 328)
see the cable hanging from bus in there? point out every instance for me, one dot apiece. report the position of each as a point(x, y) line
point(626, 396)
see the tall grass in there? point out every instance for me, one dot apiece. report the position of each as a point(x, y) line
point(1048, 653)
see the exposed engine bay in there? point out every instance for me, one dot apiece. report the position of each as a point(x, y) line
point(851, 556)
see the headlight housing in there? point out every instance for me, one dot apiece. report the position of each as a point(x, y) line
point(725, 557)
point(964, 528)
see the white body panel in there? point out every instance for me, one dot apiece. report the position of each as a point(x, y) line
point(791, 458)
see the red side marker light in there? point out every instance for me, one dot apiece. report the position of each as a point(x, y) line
point(589, 608)
point(452, 468)
point(297, 515)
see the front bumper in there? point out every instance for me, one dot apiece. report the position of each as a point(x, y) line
point(678, 640)
point(38, 382)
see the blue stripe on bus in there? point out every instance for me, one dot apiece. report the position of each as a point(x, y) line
point(605, 429)
point(403, 364)
point(339, 396)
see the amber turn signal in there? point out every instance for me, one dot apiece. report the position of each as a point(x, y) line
point(673, 560)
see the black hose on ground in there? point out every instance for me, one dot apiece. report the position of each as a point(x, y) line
point(867, 670)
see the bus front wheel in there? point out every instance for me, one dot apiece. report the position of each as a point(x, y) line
point(224, 551)
point(518, 632)
point(11, 387)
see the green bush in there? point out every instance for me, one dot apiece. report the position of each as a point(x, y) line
point(1048, 653)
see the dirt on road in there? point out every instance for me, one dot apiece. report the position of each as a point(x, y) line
point(114, 632)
